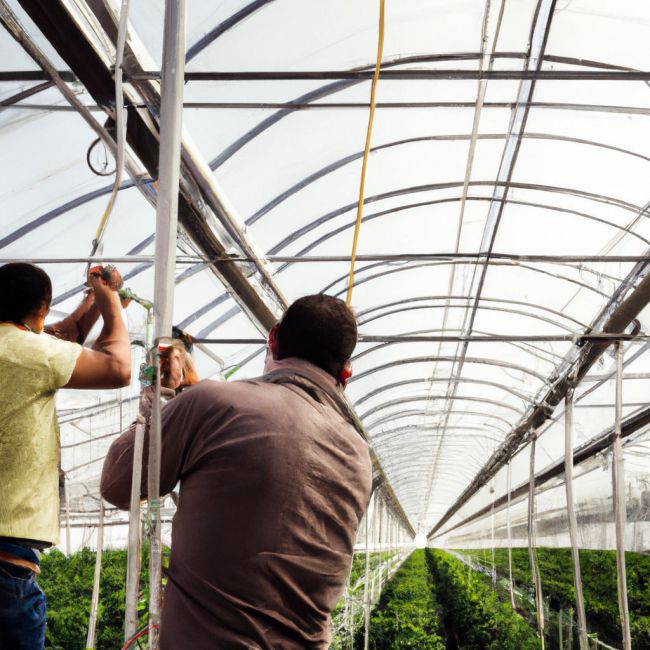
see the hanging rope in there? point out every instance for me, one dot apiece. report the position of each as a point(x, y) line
point(120, 127)
point(362, 184)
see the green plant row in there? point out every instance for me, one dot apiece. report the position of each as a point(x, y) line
point(68, 582)
point(474, 617)
point(407, 615)
point(598, 570)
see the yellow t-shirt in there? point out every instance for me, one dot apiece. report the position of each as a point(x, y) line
point(32, 368)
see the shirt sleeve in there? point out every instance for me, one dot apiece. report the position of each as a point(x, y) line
point(62, 358)
point(179, 428)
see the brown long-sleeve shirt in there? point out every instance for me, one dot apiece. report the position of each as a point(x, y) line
point(274, 480)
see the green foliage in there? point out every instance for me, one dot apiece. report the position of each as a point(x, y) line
point(407, 614)
point(68, 582)
point(598, 570)
point(474, 617)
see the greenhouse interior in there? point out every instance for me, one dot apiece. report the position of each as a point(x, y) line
point(465, 176)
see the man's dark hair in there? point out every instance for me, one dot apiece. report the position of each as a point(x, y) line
point(320, 329)
point(23, 289)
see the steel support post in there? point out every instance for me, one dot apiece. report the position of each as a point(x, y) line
point(94, 601)
point(135, 537)
point(494, 563)
point(68, 543)
point(171, 125)
point(532, 552)
point(380, 542)
point(620, 514)
point(571, 513)
point(509, 532)
point(366, 591)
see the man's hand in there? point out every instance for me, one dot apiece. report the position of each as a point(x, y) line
point(147, 397)
point(109, 274)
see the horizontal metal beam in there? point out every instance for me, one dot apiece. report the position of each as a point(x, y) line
point(419, 74)
point(374, 257)
point(497, 338)
point(304, 106)
point(397, 75)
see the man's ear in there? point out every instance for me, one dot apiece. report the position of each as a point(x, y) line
point(273, 341)
point(346, 373)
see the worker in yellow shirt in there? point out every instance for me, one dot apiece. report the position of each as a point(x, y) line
point(33, 366)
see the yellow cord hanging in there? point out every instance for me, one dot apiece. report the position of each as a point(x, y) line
point(371, 118)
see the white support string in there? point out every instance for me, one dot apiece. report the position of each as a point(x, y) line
point(571, 513)
point(620, 514)
point(135, 534)
point(94, 601)
point(532, 552)
point(366, 591)
point(68, 542)
point(509, 532)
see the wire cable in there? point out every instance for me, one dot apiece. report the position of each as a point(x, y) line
point(362, 184)
point(120, 127)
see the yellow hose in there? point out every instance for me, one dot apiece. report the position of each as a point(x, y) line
point(371, 119)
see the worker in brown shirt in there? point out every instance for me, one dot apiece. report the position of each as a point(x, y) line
point(274, 479)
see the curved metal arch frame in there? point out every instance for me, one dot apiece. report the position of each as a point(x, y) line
point(211, 326)
point(481, 307)
point(493, 263)
point(432, 398)
point(433, 187)
point(342, 162)
point(484, 426)
point(388, 437)
point(525, 346)
point(428, 380)
point(331, 88)
point(507, 301)
point(391, 417)
point(449, 359)
point(448, 475)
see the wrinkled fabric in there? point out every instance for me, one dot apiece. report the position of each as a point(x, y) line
point(32, 368)
point(274, 480)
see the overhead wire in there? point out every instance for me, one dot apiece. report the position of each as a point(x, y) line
point(120, 128)
point(366, 152)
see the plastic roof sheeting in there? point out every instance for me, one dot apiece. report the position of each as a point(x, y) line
point(458, 166)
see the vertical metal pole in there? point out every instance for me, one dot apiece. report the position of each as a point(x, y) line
point(510, 581)
point(134, 552)
point(68, 543)
point(620, 514)
point(573, 524)
point(380, 540)
point(532, 553)
point(366, 591)
point(373, 564)
point(560, 630)
point(171, 127)
point(94, 601)
point(494, 564)
point(135, 538)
